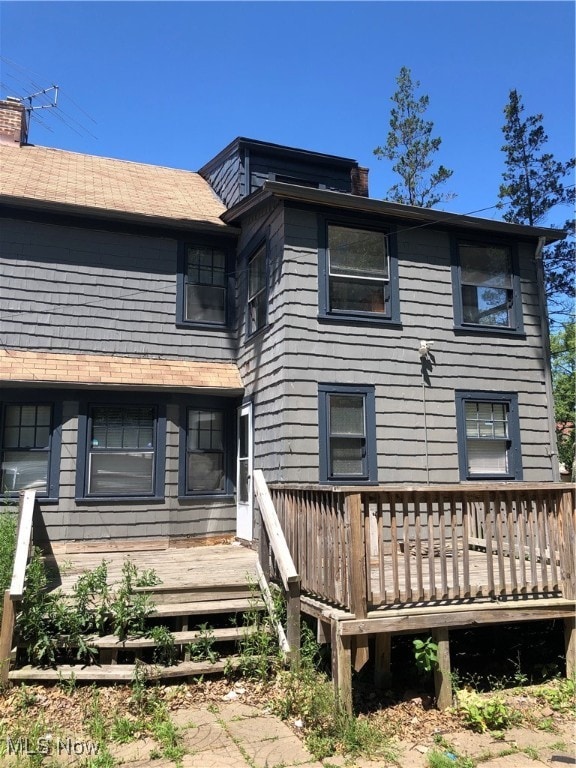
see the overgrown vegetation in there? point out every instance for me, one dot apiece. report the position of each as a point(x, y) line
point(56, 627)
point(8, 523)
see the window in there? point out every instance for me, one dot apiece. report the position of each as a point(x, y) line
point(205, 454)
point(202, 291)
point(347, 433)
point(489, 436)
point(257, 299)
point(487, 289)
point(122, 451)
point(29, 449)
point(358, 274)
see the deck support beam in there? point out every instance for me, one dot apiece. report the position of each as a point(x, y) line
point(342, 668)
point(442, 678)
point(6, 635)
point(570, 645)
point(382, 659)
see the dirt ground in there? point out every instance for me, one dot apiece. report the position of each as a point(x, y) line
point(544, 734)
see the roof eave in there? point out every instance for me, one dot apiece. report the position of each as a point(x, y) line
point(356, 203)
point(81, 211)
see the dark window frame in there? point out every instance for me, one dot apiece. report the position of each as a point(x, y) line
point(392, 317)
point(228, 410)
point(516, 328)
point(182, 282)
point(83, 450)
point(514, 451)
point(55, 447)
point(249, 252)
point(370, 476)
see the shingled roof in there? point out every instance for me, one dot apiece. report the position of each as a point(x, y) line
point(39, 177)
point(19, 366)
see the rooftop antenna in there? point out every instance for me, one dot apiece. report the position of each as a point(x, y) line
point(52, 89)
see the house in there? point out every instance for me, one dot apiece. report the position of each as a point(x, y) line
point(164, 332)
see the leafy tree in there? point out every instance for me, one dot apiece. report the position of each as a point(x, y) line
point(410, 146)
point(563, 349)
point(533, 184)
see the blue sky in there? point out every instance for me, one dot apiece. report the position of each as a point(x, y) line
point(173, 83)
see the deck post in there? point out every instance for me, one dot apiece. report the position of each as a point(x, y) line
point(358, 570)
point(567, 536)
point(570, 646)
point(6, 634)
point(442, 679)
point(293, 623)
point(382, 658)
point(341, 668)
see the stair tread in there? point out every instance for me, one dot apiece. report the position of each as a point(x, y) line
point(199, 607)
point(123, 672)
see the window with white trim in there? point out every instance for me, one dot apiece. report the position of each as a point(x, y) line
point(489, 436)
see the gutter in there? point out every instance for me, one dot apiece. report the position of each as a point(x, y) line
point(369, 205)
point(546, 357)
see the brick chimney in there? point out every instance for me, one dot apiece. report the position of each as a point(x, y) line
point(13, 124)
point(359, 178)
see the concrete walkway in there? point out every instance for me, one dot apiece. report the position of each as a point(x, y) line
point(231, 734)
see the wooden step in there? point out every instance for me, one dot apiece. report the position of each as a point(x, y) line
point(123, 672)
point(184, 593)
point(217, 635)
point(202, 607)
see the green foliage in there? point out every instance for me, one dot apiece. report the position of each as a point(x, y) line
point(561, 696)
point(53, 625)
point(8, 524)
point(425, 655)
point(533, 184)
point(166, 734)
point(259, 652)
point(563, 355)
point(448, 759)
point(165, 652)
point(202, 649)
point(485, 714)
point(410, 146)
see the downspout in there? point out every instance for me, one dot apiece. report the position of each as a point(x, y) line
point(545, 332)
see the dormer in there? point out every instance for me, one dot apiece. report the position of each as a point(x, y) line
point(245, 164)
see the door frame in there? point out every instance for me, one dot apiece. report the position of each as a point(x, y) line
point(245, 508)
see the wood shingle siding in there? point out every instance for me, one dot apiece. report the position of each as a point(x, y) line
point(77, 290)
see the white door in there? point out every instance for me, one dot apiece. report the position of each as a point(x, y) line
point(244, 492)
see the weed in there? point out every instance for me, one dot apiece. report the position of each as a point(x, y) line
point(425, 655)
point(165, 652)
point(123, 729)
point(561, 696)
point(67, 684)
point(485, 714)
point(8, 524)
point(448, 759)
point(202, 649)
point(167, 734)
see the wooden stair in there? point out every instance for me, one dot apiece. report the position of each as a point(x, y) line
point(215, 617)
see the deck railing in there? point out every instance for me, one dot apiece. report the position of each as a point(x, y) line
point(14, 594)
point(378, 546)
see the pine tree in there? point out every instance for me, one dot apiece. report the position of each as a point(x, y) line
point(410, 146)
point(533, 184)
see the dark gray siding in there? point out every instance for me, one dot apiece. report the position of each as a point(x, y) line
point(332, 177)
point(303, 352)
point(82, 290)
point(71, 520)
point(226, 179)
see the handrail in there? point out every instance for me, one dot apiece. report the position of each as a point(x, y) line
point(27, 501)
point(278, 543)
point(16, 591)
point(271, 535)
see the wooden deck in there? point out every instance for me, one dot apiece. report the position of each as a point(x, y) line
point(204, 568)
